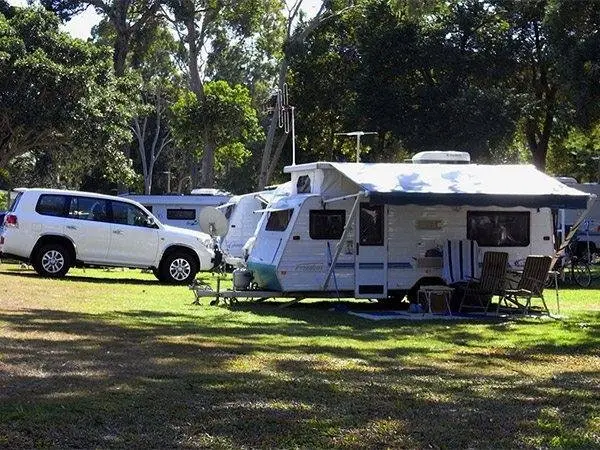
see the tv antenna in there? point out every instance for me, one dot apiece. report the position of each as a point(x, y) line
point(358, 135)
point(285, 116)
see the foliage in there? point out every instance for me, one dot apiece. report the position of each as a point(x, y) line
point(435, 84)
point(226, 112)
point(128, 19)
point(575, 44)
point(577, 155)
point(58, 100)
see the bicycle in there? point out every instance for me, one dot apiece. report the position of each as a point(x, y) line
point(576, 267)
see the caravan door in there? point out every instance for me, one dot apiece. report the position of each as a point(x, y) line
point(371, 252)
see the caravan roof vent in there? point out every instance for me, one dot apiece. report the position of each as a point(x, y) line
point(208, 191)
point(441, 157)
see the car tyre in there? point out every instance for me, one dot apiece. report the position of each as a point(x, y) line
point(52, 260)
point(157, 274)
point(178, 268)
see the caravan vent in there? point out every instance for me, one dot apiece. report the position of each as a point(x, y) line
point(440, 157)
point(208, 191)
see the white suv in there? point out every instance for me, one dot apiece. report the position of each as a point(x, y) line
point(55, 229)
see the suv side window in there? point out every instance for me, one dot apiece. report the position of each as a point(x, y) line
point(51, 205)
point(88, 208)
point(126, 214)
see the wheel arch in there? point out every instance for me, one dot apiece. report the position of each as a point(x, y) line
point(179, 248)
point(55, 239)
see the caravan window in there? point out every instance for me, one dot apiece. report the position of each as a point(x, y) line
point(303, 184)
point(371, 224)
point(181, 214)
point(227, 210)
point(279, 220)
point(327, 224)
point(499, 228)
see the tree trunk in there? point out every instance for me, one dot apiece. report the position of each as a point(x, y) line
point(538, 140)
point(263, 176)
point(193, 57)
point(208, 164)
point(121, 49)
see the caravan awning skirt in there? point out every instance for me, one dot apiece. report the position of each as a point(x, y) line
point(527, 201)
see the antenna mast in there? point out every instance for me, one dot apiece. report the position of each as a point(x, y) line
point(358, 135)
point(285, 116)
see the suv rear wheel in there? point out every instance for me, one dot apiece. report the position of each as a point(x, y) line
point(178, 268)
point(52, 260)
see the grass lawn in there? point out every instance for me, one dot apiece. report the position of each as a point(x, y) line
point(113, 359)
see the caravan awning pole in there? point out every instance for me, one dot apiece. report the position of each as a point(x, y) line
point(349, 224)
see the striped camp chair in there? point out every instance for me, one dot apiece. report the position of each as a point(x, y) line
point(530, 285)
point(491, 282)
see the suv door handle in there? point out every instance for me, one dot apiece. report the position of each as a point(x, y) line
point(117, 232)
point(71, 227)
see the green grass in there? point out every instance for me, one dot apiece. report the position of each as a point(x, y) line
point(113, 359)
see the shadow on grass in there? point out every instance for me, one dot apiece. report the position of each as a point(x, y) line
point(109, 279)
point(159, 380)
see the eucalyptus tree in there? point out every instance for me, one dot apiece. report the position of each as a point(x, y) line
point(226, 113)
point(126, 17)
point(298, 27)
point(159, 84)
point(208, 30)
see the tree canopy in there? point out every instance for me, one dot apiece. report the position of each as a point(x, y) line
point(185, 87)
point(58, 95)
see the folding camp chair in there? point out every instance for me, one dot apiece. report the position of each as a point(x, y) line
point(491, 282)
point(530, 285)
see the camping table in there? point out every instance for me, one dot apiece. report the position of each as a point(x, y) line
point(427, 291)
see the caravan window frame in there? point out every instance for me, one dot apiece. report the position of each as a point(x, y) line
point(279, 219)
point(331, 231)
point(171, 216)
point(499, 228)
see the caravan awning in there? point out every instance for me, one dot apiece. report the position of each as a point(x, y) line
point(461, 184)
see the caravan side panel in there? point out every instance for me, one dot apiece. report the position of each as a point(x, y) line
point(416, 237)
point(305, 261)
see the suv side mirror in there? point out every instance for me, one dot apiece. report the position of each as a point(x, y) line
point(150, 223)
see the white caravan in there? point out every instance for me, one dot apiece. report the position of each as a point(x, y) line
point(180, 210)
point(243, 213)
point(379, 230)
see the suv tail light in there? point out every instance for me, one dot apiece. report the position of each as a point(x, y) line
point(11, 221)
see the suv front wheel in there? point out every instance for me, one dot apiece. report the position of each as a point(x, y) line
point(178, 268)
point(52, 260)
